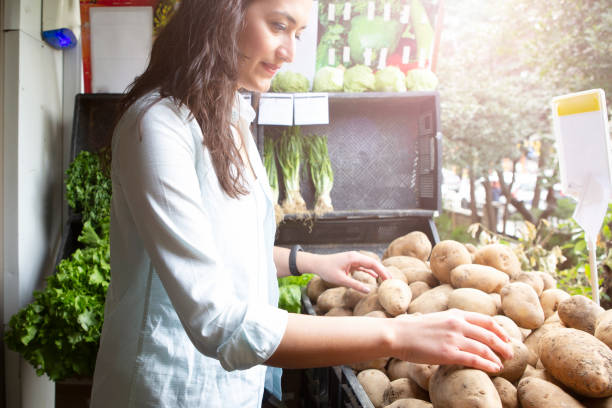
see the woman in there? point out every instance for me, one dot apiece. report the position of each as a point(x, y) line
point(190, 316)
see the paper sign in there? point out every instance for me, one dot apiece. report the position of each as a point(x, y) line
point(405, 14)
point(387, 12)
point(346, 54)
point(311, 109)
point(581, 129)
point(121, 40)
point(347, 11)
point(371, 10)
point(331, 12)
point(275, 109)
point(382, 59)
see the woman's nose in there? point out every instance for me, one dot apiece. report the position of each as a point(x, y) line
point(286, 50)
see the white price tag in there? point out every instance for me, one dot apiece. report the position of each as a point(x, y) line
point(331, 56)
point(311, 109)
point(275, 109)
point(405, 14)
point(347, 11)
point(382, 59)
point(371, 10)
point(405, 55)
point(331, 12)
point(387, 12)
point(367, 56)
point(346, 54)
point(422, 59)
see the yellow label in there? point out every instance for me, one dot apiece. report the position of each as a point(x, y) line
point(578, 104)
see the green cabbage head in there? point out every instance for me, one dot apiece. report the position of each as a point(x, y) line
point(329, 79)
point(421, 79)
point(390, 79)
point(288, 81)
point(359, 78)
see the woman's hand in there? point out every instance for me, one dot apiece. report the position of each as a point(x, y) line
point(337, 268)
point(452, 337)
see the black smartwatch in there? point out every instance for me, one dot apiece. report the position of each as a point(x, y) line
point(292, 261)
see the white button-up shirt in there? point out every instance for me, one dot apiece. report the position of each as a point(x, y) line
point(191, 310)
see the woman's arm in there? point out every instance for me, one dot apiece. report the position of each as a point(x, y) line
point(450, 337)
point(333, 268)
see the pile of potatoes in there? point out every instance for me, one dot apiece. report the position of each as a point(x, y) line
point(561, 343)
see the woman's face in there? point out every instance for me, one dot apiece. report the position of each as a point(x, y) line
point(268, 39)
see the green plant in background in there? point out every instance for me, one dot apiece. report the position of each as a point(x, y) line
point(448, 230)
point(290, 151)
point(530, 247)
point(89, 188)
point(575, 279)
point(321, 172)
point(290, 292)
point(59, 332)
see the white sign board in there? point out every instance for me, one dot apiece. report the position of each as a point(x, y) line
point(121, 41)
point(311, 109)
point(275, 109)
point(581, 129)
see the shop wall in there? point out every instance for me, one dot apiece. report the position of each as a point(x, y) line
point(32, 180)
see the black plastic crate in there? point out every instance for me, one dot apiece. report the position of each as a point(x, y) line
point(331, 387)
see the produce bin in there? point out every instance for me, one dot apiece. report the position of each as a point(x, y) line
point(385, 151)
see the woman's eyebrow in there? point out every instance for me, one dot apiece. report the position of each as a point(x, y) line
point(288, 17)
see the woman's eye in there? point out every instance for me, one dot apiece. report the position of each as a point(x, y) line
point(279, 26)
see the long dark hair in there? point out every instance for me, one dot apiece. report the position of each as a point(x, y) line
point(194, 60)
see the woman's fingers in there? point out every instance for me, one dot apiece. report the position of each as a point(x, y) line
point(486, 330)
point(364, 262)
point(476, 361)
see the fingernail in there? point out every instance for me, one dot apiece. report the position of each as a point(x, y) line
point(366, 289)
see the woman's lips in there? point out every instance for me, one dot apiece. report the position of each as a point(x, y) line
point(270, 68)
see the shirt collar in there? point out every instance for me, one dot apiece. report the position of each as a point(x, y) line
point(242, 109)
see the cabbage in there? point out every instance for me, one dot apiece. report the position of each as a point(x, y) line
point(359, 78)
point(390, 79)
point(421, 79)
point(374, 34)
point(288, 81)
point(329, 79)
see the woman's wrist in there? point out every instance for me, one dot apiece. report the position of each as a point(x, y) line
point(306, 262)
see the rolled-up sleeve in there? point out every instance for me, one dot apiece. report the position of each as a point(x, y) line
point(154, 163)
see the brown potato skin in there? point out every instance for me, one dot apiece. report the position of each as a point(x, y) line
point(374, 383)
point(410, 403)
point(315, 287)
point(532, 279)
point(395, 296)
point(603, 329)
point(507, 392)
point(331, 298)
point(521, 303)
point(368, 304)
point(579, 312)
point(499, 257)
point(537, 393)
point(550, 299)
point(482, 277)
point(472, 300)
point(458, 387)
point(515, 367)
point(418, 288)
point(578, 360)
point(414, 244)
point(403, 388)
point(434, 300)
point(446, 256)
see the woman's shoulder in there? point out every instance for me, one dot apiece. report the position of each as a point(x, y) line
point(153, 106)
